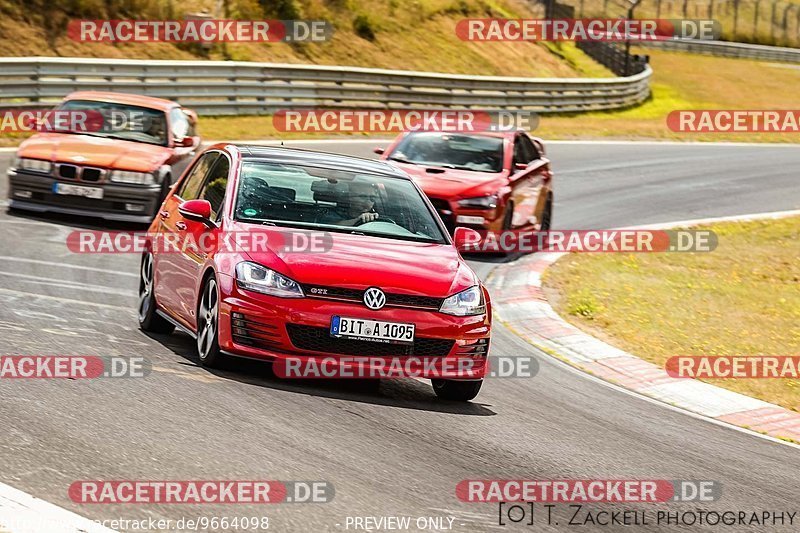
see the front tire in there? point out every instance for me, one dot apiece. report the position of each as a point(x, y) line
point(547, 216)
point(208, 326)
point(454, 390)
point(149, 320)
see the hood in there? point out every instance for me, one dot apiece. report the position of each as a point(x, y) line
point(447, 182)
point(359, 262)
point(95, 151)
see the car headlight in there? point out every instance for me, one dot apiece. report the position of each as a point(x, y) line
point(134, 178)
point(465, 303)
point(254, 277)
point(482, 202)
point(36, 165)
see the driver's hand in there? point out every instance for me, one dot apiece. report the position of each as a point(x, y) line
point(367, 217)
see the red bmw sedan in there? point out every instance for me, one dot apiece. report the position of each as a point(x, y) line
point(491, 181)
point(390, 282)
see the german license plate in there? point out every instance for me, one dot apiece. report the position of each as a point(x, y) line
point(372, 330)
point(77, 190)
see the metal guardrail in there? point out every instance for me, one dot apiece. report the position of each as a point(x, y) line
point(728, 49)
point(244, 88)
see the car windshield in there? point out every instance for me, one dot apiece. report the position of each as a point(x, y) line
point(334, 200)
point(478, 153)
point(121, 121)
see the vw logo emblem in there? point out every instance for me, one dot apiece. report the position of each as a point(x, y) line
point(374, 298)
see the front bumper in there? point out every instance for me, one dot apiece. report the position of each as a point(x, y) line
point(125, 203)
point(267, 327)
point(454, 215)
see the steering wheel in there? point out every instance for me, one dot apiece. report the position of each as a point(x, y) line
point(381, 218)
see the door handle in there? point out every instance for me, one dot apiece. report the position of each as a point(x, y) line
point(180, 225)
point(164, 214)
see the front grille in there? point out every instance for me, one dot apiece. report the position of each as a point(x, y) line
point(319, 340)
point(91, 174)
point(77, 172)
point(357, 296)
point(69, 172)
point(257, 333)
point(445, 212)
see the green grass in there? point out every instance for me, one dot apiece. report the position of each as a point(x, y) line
point(741, 299)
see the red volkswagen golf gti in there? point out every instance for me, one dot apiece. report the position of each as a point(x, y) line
point(388, 267)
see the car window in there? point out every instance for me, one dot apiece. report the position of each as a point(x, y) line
point(179, 124)
point(524, 152)
point(215, 184)
point(334, 200)
point(190, 188)
point(530, 148)
point(477, 153)
point(122, 121)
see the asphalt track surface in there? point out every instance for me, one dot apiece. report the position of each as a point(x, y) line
point(392, 452)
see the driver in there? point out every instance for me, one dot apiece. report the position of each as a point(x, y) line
point(358, 208)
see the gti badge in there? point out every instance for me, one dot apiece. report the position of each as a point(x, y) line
point(374, 298)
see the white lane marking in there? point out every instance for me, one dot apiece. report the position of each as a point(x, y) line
point(64, 300)
point(69, 284)
point(66, 265)
point(22, 513)
point(713, 220)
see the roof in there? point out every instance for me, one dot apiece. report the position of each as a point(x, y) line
point(123, 98)
point(298, 156)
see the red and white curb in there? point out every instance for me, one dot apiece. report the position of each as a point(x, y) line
point(22, 513)
point(521, 305)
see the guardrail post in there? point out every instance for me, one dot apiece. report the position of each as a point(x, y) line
point(36, 77)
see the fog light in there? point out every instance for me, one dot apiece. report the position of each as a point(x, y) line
point(465, 219)
point(134, 207)
point(23, 194)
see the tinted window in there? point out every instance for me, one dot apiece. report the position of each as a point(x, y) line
point(524, 151)
point(334, 200)
point(190, 188)
point(479, 153)
point(214, 188)
point(122, 121)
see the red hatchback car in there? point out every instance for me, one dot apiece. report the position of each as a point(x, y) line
point(485, 181)
point(390, 264)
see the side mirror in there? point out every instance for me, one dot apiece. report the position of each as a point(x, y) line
point(197, 210)
point(186, 142)
point(465, 238)
point(378, 150)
